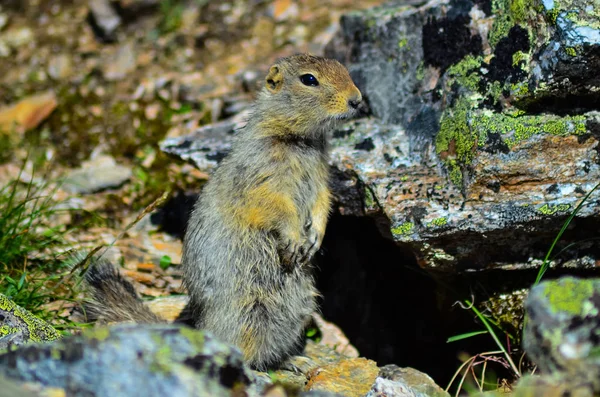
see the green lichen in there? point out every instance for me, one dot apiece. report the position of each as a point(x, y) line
point(571, 51)
point(571, 296)
point(517, 129)
point(437, 222)
point(162, 362)
point(520, 89)
point(554, 209)
point(466, 72)
point(500, 28)
point(403, 43)
point(100, 333)
point(420, 75)
point(519, 58)
point(195, 337)
point(39, 330)
point(6, 330)
point(403, 229)
point(456, 141)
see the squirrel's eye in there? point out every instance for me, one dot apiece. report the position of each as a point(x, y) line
point(309, 79)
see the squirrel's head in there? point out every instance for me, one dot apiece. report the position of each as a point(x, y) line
point(304, 92)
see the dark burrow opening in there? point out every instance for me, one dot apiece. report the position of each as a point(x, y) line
point(394, 312)
point(391, 310)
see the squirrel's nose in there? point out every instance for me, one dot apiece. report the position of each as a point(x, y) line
point(354, 101)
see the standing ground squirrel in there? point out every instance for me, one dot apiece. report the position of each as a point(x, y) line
point(260, 218)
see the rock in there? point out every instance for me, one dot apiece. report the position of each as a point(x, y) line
point(394, 381)
point(28, 113)
point(562, 333)
point(350, 377)
point(121, 64)
point(149, 360)
point(19, 326)
point(495, 139)
point(168, 307)
point(100, 173)
point(3, 20)
point(207, 146)
point(60, 67)
point(17, 37)
point(333, 337)
point(104, 20)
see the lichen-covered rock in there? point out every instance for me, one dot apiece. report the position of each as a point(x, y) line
point(496, 139)
point(562, 333)
point(394, 381)
point(132, 360)
point(18, 326)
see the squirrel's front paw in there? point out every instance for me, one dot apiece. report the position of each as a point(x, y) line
point(298, 253)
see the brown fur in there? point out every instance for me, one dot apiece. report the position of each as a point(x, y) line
point(260, 219)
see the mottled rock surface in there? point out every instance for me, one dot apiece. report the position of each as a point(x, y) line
point(404, 382)
point(496, 137)
point(562, 333)
point(100, 173)
point(19, 326)
point(152, 360)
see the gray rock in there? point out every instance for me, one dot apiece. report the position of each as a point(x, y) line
point(98, 174)
point(104, 19)
point(562, 333)
point(394, 381)
point(206, 147)
point(18, 326)
point(121, 64)
point(474, 175)
point(132, 360)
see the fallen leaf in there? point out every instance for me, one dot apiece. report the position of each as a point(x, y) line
point(28, 113)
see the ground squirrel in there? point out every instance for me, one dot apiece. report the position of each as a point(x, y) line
point(260, 218)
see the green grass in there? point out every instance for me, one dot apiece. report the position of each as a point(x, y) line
point(33, 249)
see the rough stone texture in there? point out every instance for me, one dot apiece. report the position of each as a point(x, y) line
point(496, 138)
point(95, 175)
point(133, 360)
point(350, 377)
point(562, 332)
point(19, 326)
point(208, 145)
point(394, 381)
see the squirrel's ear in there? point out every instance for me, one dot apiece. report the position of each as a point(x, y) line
point(274, 79)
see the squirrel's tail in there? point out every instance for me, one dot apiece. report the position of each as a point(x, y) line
point(112, 298)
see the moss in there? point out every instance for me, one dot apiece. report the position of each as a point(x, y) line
point(570, 295)
point(554, 209)
point(571, 51)
point(403, 229)
point(437, 222)
point(403, 43)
